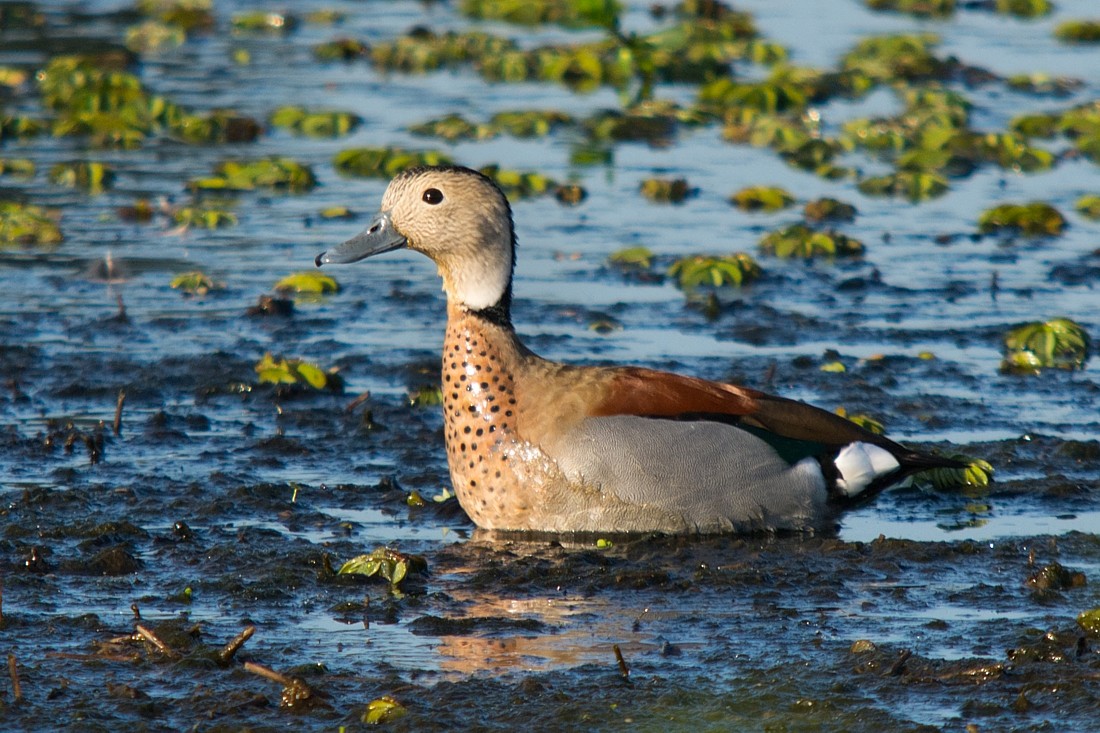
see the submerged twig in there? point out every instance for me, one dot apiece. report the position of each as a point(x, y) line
point(118, 412)
point(147, 634)
point(350, 407)
point(225, 656)
point(267, 673)
point(13, 670)
point(899, 666)
point(623, 669)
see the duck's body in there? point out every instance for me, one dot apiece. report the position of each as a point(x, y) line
point(538, 445)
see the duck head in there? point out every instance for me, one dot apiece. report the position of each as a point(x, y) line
point(458, 218)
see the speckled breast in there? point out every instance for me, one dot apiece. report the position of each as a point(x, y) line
point(497, 477)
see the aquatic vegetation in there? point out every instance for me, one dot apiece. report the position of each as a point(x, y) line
point(762, 198)
point(912, 185)
point(978, 474)
point(261, 22)
point(382, 710)
point(188, 15)
point(518, 184)
point(337, 212)
point(921, 8)
point(426, 395)
point(422, 50)
point(218, 126)
point(529, 123)
point(1089, 621)
point(1078, 31)
point(204, 217)
point(91, 176)
point(702, 270)
point(385, 563)
point(314, 123)
point(828, 209)
point(1059, 343)
point(1034, 219)
point(569, 13)
point(153, 36)
point(295, 373)
point(308, 282)
point(20, 126)
point(16, 167)
point(341, 49)
point(570, 194)
point(24, 224)
point(195, 282)
point(864, 421)
point(897, 58)
point(452, 128)
point(1088, 206)
point(669, 190)
point(1024, 8)
point(274, 173)
point(1043, 84)
point(385, 162)
point(800, 241)
point(632, 258)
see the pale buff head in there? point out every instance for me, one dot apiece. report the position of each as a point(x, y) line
point(457, 217)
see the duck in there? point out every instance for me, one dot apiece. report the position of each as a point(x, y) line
point(539, 446)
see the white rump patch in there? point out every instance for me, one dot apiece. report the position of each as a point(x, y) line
point(858, 464)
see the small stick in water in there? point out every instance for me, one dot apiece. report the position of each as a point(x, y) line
point(118, 411)
point(623, 669)
point(16, 688)
point(153, 639)
point(899, 666)
point(225, 656)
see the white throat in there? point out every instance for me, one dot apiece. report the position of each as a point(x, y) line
point(480, 284)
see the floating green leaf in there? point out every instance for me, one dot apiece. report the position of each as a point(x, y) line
point(261, 22)
point(702, 270)
point(864, 421)
point(195, 282)
point(308, 282)
point(452, 128)
point(283, 371)
point(385, 563)
point(26, 224)
point(632, 257)
point(896, 58)
point(569, 13)
point(1059, 343)
point(342, 49)
point(1090, 622)
point(385, 162)
point(204, 217)
point(383, 710)
point(1024, 8)
point(762, 198)
point(16, 167)
point(219, 126)
point(426, 395)
point(673, 190)
point(1033, 219)
point(91, 176)
point(1089, 206)
point(518, 184)
point(153, 36)
point(977, 475)
point(1078, 31)
point(827, 209)
point(920, 8)
point(314, 123)
point(274, 173)
point(913, 185)
point(803, 242)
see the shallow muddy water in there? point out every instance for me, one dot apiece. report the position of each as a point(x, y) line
point(222, 503)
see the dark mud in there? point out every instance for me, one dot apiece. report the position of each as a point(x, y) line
point(130, 558)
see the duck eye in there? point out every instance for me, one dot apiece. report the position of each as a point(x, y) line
point(433, 196)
